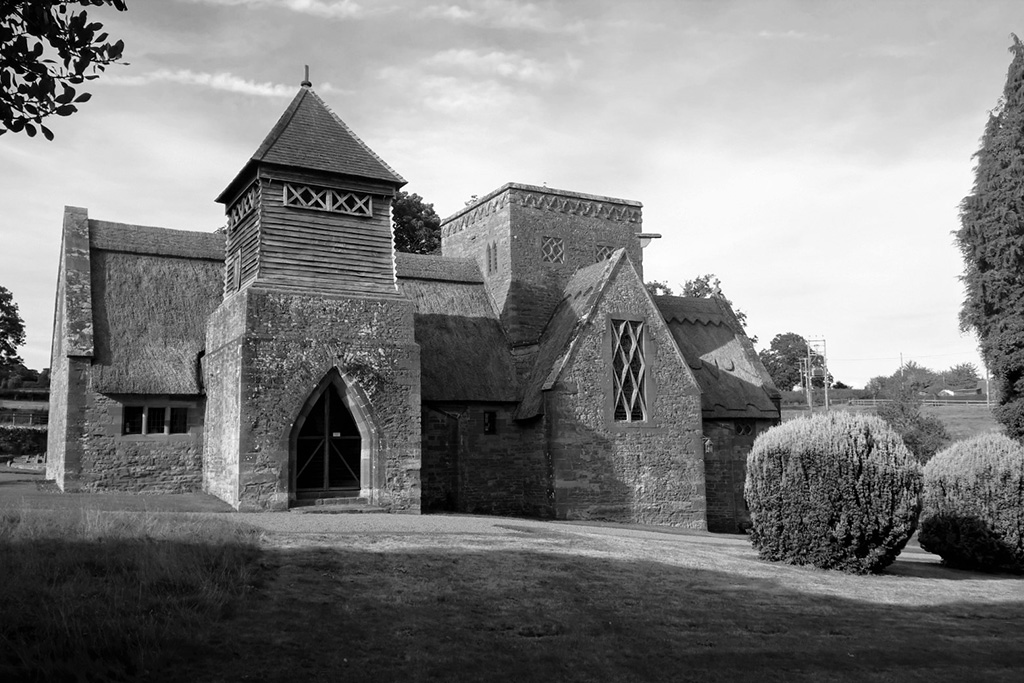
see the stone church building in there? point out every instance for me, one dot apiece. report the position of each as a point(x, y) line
point(294, 357)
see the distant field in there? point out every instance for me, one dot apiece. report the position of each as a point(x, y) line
point(961, 421)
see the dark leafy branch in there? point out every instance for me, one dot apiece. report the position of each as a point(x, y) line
point(48, 49)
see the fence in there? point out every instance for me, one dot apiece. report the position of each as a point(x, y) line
point(926, 402)
point(28, 418)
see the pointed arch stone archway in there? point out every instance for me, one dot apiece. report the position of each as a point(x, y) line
point(333, 442)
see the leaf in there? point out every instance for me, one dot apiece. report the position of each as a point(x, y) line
point(47, 133)
point(84, 97)
point(65, 110)
point(30, 129)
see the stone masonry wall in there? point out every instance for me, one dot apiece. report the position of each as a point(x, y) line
point(467, 470)
point(291, 341)
point(139, 463)
point(222, 370)
point(725, 472)
point(646, 472)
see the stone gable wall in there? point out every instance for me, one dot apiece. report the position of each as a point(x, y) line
point(650, 472)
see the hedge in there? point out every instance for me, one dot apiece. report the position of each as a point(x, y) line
point(973, 504)
point(835, 490)
point(22, 440)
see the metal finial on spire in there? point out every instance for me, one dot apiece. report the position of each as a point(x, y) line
point(305, 81)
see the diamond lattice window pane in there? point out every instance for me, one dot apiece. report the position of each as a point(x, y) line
point(629, 371)
point(552, 250)
point(604, 252)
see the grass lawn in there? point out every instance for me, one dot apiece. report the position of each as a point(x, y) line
point(532, 601)
point(434, 598)
point(961, 421)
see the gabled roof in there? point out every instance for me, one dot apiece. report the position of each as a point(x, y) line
point(573, 312)
point(733, 381)
point(311, 136)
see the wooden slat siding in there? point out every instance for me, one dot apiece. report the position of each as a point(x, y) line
point(325, 250)
point(243, 240)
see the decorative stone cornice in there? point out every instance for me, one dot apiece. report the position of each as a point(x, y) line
point(557, 201)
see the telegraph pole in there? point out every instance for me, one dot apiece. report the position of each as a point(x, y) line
point(816, 351)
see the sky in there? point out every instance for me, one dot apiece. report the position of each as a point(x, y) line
point(810, 154)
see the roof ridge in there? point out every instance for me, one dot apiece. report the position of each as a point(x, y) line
point(355, 137)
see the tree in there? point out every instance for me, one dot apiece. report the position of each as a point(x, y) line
point(924, 435)
point(12, 333)
point(658, 288)
point(416, 225)
point(991, 241)
point(783, 359)
point(962, 376)
point(708, 285)
point(46, 49)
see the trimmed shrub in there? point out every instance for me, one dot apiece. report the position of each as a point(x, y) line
point(973, 504)
point(836, 490)
point(17, 440)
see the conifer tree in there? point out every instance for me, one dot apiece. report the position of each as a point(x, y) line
point(991, 240)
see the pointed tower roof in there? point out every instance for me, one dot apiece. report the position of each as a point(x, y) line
point(310, 136)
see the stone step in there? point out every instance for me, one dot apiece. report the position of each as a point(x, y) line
point(336, 505)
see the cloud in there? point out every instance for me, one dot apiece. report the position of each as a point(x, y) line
point(218, 81)
point(330, 9)
point(793, 35)
point(494, 63)
point(506, 14)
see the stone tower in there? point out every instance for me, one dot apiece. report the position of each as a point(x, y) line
point(530, 241)
point(312, 373)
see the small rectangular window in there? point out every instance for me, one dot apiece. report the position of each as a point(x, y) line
point(490, 422)
point(132, 420)
point(179, 420)
point(156, 420)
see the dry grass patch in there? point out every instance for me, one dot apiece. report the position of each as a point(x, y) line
point(92, 595)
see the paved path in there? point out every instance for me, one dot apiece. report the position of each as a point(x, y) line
point(28, 490)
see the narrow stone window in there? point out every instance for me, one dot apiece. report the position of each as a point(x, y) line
point(492, 258)
point(552, 250)
point(629, 371)
point(157, 420)
point(604, 252)
point(131, 422)
point(490, 422)
point(327, 199)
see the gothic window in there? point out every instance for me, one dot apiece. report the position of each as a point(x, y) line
point(326, 199)
point(629, 371)
point(552, 250)
point(604, 252)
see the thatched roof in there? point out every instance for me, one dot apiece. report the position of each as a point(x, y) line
point(464, 355)
point(428, 267)
point(152, 291)
point(578, 302)
point(733, 381)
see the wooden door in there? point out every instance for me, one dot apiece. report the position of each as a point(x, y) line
point(328, 448)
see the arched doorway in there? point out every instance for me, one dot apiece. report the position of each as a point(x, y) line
point(328, 448)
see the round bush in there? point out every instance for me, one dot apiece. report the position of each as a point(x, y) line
point(836, 490)
point(973, 504)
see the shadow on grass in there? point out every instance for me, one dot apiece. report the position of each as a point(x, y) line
point(471, 615)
